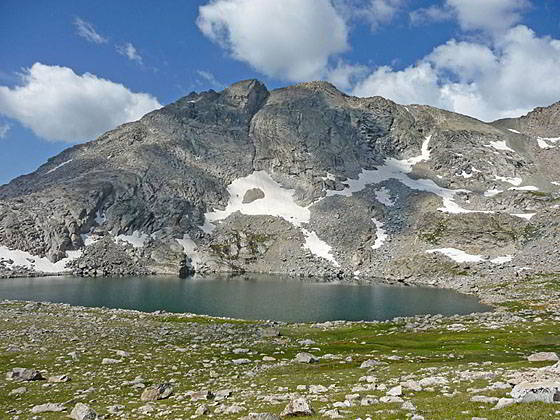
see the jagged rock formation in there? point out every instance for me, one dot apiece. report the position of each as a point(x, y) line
point(303, 180)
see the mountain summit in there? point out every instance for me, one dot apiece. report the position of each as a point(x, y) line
point(303, 180)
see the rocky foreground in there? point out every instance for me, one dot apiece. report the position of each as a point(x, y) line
point(87, 363)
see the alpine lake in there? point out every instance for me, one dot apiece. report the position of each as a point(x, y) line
point(247, 296)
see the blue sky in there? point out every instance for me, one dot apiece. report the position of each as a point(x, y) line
point(70, 70)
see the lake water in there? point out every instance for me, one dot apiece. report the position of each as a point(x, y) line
point(280, 298)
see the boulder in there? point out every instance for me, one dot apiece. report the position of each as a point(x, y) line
point(544, 391)
point(157, 392)
point(298, 407)
point(543, 357)
point(82, 411)
point(306, 358)
point(24, 374)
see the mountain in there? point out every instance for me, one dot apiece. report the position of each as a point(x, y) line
point(303, 180)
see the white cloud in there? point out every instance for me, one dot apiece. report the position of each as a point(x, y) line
point(430, 14)
point(4, 128)
point(489, 15)
point(380, 12)
point(129, 51)
point(57, 104)
point(88, 32)
point(518, 72)
point(289, 39)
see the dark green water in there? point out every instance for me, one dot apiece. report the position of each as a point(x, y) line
point(278, 298)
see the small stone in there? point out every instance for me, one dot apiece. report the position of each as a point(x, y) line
point(270, 332)
point(368, 400)
point(82, 411)
point(504, 402)
point(268, 359)
point(201, 395)
point(395, 391)
point(368, 364)
point(543, 357)
point(260, 416)
point(48, 408)
point(234, 409)
point(306, 358)
point(240, 351)
point(306, 342)
point(317, 389)
point(115, 409)
point(202, 410)
point(333, 414)
point(484, 399)
point(146, 409)
point(59, 378)
point(122, 353)
point(157, 392)
point(407, 405)
point(18, 391)
point(223, 394)
point(297, 407)
point(24, 374)
point(391, 399)
point(241, 361)
point(109, 361)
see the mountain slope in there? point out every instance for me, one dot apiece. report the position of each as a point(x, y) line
point(303, 180)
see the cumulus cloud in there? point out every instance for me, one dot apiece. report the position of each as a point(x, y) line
point(513, 75)
point(129, 51)
point(486, 15)
point(289, 39)
point(59, 105)
point(88, 32)
point(4, 128)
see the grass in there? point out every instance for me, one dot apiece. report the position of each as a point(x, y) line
point(45, 337)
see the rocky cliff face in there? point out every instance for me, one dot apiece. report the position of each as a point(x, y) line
point(303, 180)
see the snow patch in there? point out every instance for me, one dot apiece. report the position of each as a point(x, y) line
point(499, 145)
point(383, 195)
point(41, 264)
point(191, 250)
point(514, 131)
point(100, 218)
point(59, 166)
point(318, 247)
point(460, 256)
point(526, 216)
point(525, 188)
point(543, 142)
point(510, 180)
point(381, 234)
point(277, 201)
point(137, 239)
point(492, 192)
point(502, 260)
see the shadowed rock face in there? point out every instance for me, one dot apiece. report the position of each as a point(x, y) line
point(303, 180)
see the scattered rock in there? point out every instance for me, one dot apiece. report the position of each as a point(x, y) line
point(201, 395)
point(18, 391)
point(306, 358)
point(48, 408)
point(543, 357)
point(368, 364)
point(109, 361)
point(157, 392)
point(270, 332)
point(260, 416)
point(82, 411)
point(24, 374)
point(504, 402)
point(59, 378)
point(395, 391)
point(202, 410)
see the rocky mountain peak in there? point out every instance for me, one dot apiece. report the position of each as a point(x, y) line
point(303, 179)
